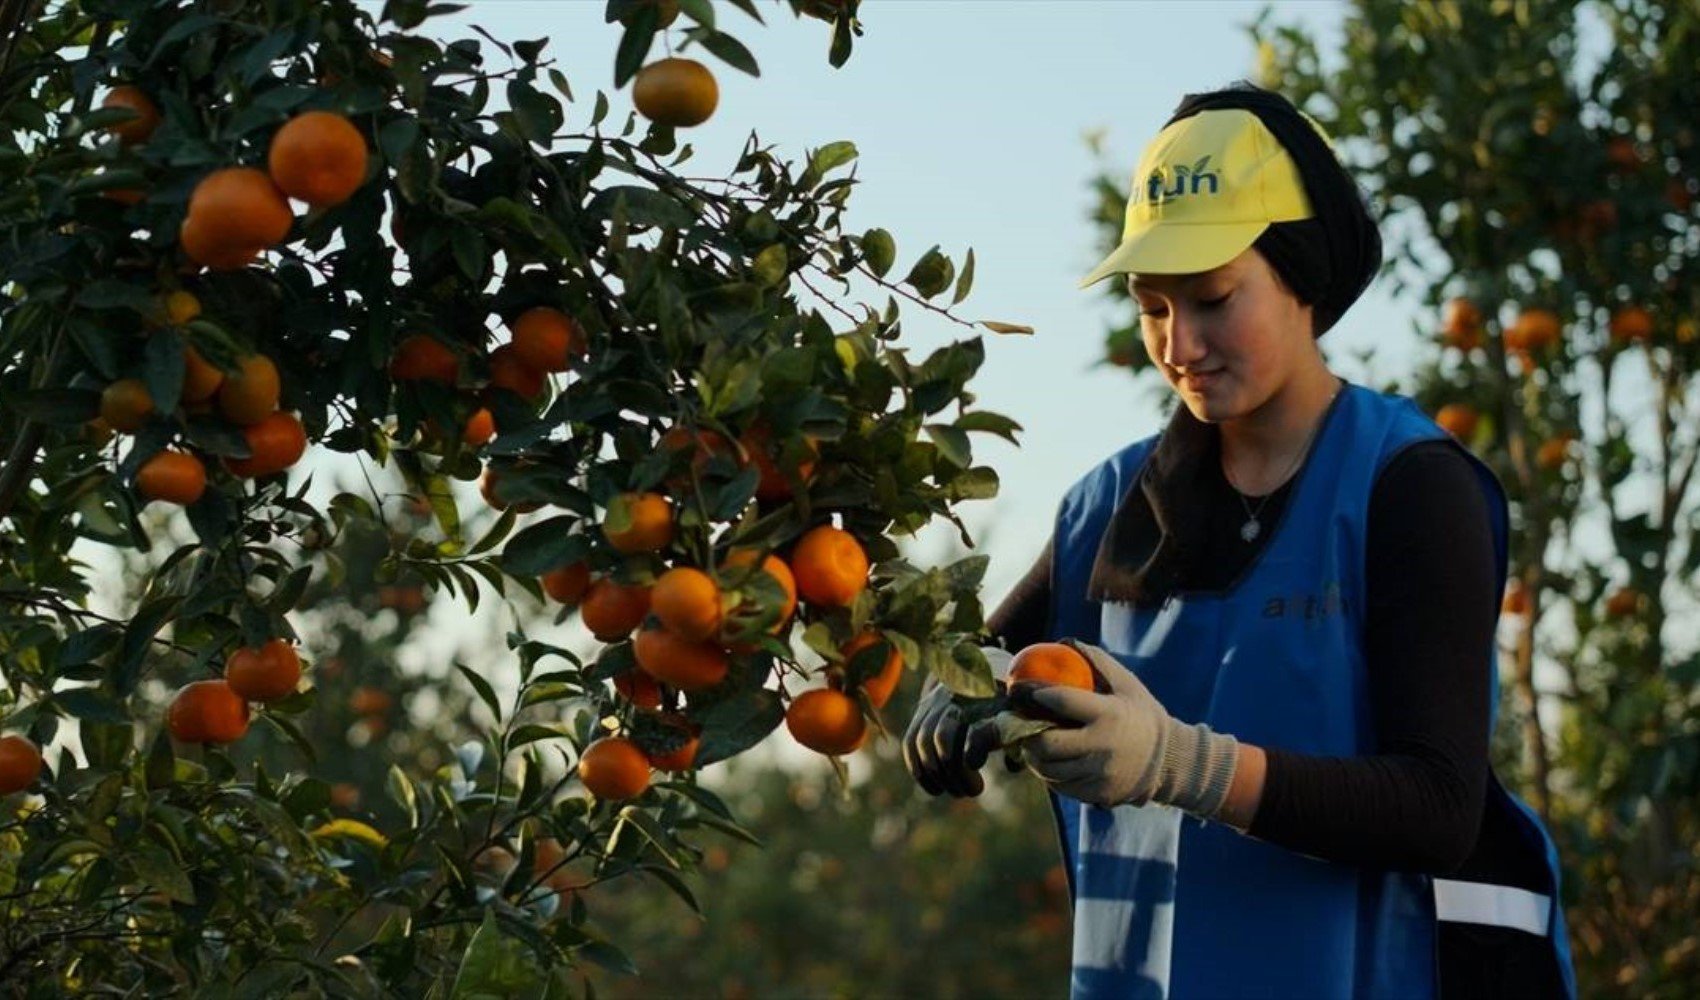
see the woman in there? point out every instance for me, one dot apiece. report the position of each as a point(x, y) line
point(1291, 594)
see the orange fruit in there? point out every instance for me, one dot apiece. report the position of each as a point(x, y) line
point(369, 701)
point(251, 394)
point(1516, 600)
point(1553, 452)
point(547, 339)
point(1631, 324)
point(423, 358)
point(124, 196)
point(1461, 324)
point(1458, 420)
point(479, 429)
point(611, 610)
point(826, 721)
point(234, 214)
point(649, 523)
point(773, 566)
point(1623, 603)
point(125, 405)
point(1620, 152)
point(274, 444)
point(140, 128)
point(201, 378)
point(1533, 330)
point(638, 688)
point(180, 307)
point(20, 763)
point(775, 485)
point(881, 685)
point(207, 712)
point(264, 673)
point(567, 584)
point(345, 795)
point(490, 487)
point(679, 662)
point(318, 157)
point(675, 92)
point(683, 755)
point(688, 603)
point(614, 768)
point(1052, 663)
point(172, 476)
point(509, 371)
point(830, 567)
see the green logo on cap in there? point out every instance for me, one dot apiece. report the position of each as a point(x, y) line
point(1187, 181)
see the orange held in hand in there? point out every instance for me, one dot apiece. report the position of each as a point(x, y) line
point(648, 523)
point(676, 92)
point(1052, 663)
point(318, 157)
point(173, 477)
point(20, 763)
point(548, 339)
point(264, 673)
point(207, 712)
point(614, 768)
point(830, 567)
point(611, 610)
point(826, 721)
point(688, 602)
point(678, 662)
point(274, 444)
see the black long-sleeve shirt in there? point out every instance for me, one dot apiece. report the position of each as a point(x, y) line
point(1416, 803)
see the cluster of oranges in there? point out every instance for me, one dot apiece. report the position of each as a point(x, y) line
point(234, 214)
point(689, 623)
point(544, 341)
point(216, 710)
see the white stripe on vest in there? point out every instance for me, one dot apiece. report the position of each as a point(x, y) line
point(1493, 905)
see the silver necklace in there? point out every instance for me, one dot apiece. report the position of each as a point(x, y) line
point(1253, 526)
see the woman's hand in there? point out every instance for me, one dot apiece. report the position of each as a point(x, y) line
point(941, 752)
point(1122, 747)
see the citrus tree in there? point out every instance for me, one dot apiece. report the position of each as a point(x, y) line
point(307, 314)
point(1535, 164)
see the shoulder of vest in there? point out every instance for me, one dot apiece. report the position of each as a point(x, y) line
point(1113, 474)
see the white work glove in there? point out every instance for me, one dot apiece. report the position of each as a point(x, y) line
point(1124, 748)
point(943, 754)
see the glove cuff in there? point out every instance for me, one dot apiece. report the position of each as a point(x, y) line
point(1197, 768)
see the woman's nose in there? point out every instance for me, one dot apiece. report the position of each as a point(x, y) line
point(1185, 346)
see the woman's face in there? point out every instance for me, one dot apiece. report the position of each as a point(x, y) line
point(1228, 339)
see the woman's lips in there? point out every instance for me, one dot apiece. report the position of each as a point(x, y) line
point(1200, 380)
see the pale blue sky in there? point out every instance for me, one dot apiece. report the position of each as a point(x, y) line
point(970, 117)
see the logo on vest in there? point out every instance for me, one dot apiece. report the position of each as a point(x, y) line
point(1308, 607)
point(1186, 181)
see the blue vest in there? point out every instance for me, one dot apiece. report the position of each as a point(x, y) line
point(1167, 905)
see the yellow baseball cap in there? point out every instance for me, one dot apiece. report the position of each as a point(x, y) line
point(1205, 190)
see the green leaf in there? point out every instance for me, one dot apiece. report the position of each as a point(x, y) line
point(64, 407)
point(952, 444)
point(732, 726)
point(544, 546)
point(156, 868)
point(931, 274)
point(966, 281)
point(730, 51)
point(138, 639)
point(531, 733)
point(163, 369)
point(634, 44)
point(161, 767)
point(403, 794)
point(879, 250)
point(486, 693)
point(824, 160)
point(89, 645)
point(997, 327)
point(768, 269)
point(538, 114)
point(494, 965)
point(990, 423)
point(842, 42)
point(963, 669)
point(700, 11)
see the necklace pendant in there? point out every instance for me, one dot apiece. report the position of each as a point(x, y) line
point(1250, 530)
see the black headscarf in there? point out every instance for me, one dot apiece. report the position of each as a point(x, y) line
point(1327, 260)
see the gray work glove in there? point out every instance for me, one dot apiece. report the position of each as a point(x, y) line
point(943, 754)
point(1123, 747)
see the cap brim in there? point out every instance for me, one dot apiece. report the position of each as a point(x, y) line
point(1178, 249)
